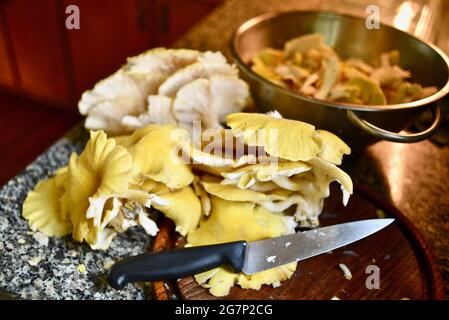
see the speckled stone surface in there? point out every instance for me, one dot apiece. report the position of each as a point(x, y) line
point(56, 276)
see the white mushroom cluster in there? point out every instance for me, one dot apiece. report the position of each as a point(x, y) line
point(165, 86)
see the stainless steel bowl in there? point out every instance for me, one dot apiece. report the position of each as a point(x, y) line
point(358, 125)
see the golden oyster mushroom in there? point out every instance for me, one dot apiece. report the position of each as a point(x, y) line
point(233, 193)
point(333, 148)
point(42, 207)
point(345, 93)
point(276, 134)
point(326, 172)
point(102, 171)
point(267, 73)
point(309, 189)
point(316, 143)
point(202, 194)
point(233, 221)
point(154, 150)
point(198, 156)
point(182, 205)
point(272, 277)
point(246, 176)
point(279, 186)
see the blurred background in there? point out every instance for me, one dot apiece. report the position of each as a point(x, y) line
point(42, 59)
point(45, 67)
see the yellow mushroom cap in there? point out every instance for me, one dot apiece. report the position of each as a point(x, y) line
point(183, 207)
point(233, 193)
point(154, 150)
point(102, 171)
point(333, 147)
point(232, 221)
point(287, 139)
point(42, 208)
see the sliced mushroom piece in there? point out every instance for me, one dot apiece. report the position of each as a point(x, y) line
point(330, 77)
point(307, 87)
point(292, 73)
point(385, 76)
point(346, 93)
point(303, 44)
point(360, 65)
point(371, 93)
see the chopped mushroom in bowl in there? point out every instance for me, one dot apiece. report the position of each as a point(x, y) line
point(359, 124)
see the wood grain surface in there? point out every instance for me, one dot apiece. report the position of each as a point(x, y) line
point(407, 267)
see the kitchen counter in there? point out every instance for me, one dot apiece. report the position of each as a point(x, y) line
point(415, 177)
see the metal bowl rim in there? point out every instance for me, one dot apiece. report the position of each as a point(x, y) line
point(390, 107)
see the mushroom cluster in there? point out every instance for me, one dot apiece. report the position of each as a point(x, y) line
point(111, 187)
point(165, 86)
point(260, 177)
point(277, 182)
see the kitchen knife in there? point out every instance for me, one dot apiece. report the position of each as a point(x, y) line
point(246, 257)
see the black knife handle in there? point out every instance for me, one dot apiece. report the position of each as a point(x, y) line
point(175, 264)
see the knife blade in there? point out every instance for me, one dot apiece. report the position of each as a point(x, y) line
point(246, 257)
point(270, 253)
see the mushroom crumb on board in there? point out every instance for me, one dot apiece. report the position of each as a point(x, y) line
point(34, 261)
point(82, 268)
point(108, 263)
point(347, 273)
point(41, 238)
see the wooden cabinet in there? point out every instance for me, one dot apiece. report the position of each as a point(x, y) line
point(42, 59)
point(7, 75)
point(175, 17)
point(110, 31)
point(36, 33)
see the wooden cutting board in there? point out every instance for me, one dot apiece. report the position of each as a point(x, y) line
point(407, 268)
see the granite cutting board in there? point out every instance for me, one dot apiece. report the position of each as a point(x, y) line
point(56, 275)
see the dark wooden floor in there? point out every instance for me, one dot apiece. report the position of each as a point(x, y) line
point(27, 128)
